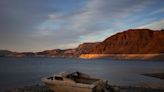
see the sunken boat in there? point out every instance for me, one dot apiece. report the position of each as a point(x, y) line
point(75, 82)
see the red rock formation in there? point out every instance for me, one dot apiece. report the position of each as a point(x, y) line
point(132, 41)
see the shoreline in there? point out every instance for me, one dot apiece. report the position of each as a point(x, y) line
point(124, 56)
point(155, 75)
point(114, 88)
point(146, 57)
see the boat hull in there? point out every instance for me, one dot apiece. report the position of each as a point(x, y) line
point(68, 88)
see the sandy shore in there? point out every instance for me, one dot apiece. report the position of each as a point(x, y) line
point(32, 88)
point(124, 56)
point(42, 88)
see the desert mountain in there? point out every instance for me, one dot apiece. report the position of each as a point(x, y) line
point(132, 41)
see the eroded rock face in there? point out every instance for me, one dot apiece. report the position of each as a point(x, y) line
point(86, 47)
point(132, 41)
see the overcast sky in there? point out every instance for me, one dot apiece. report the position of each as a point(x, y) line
point(37, 25)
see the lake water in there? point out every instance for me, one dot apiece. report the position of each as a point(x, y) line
point(17, 72)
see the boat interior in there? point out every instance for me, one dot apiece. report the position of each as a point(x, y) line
point(81, 78)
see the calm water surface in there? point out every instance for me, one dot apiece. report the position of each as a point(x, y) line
point(17, 72)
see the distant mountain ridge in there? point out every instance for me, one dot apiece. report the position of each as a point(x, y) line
point(75, 52)
point(4, 53)
point(132, 41)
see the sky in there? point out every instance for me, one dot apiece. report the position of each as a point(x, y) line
point(37, 25)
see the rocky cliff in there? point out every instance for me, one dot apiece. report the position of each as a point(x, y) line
point(132, 41)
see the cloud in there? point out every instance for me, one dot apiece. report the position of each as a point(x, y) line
point(88, 21)
point(116, 8)
point(156, 25)
point(22, 15)
point(96, 16)
point(157, 11)
point(99, 12)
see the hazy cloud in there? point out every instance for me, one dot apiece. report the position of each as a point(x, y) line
point(156, 25)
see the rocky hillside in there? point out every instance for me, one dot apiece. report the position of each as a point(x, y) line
point(75, 52)
point(132, 41)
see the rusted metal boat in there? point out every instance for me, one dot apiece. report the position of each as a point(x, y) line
point(75, 82)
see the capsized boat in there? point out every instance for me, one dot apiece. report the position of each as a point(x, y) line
point(75, 82)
